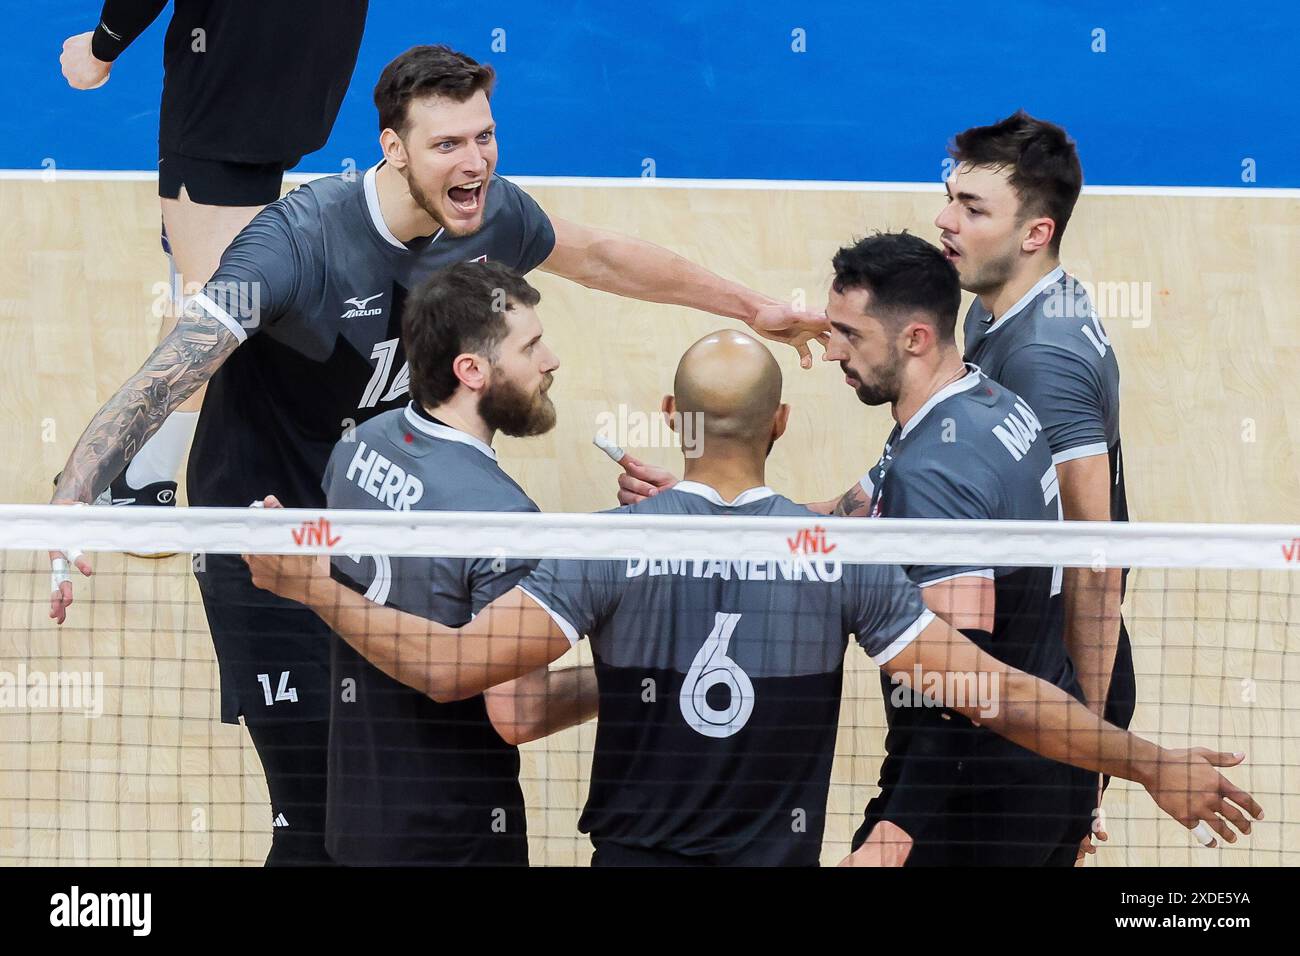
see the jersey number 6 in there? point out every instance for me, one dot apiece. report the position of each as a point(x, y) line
point(713, 668)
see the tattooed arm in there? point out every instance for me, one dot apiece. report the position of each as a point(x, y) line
point(854, 503)
point(182, 362)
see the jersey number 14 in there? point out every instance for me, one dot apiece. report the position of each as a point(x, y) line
point(384, 353)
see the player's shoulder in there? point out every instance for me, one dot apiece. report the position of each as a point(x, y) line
point(511, 201)
point(962, 412)
point(1061, 324)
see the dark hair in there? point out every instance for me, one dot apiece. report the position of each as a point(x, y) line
point(427, 71)
point(459, 309)
point(905, 275)
point(1045, 170)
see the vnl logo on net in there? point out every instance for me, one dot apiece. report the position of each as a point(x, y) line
point(628, 428)
point(52, 690)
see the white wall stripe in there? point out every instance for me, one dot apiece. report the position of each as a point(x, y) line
point(637, 182)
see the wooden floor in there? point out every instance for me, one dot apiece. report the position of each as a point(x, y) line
point(1211, 423)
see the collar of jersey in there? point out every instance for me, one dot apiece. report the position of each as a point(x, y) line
point(377, 214)
point(445, 432)
point(963, 384)
point(1051, 278)
point(709, 493)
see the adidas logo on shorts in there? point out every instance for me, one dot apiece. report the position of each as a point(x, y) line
point(279, 821)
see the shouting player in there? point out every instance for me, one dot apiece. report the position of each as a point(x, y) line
point(720, 681)
point(298, 333)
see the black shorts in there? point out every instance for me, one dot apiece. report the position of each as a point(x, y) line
point(1038, 820)
point(273, 654)
point(218, 182)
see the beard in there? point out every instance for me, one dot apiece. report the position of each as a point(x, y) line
point(424, 202)
point(507, 408)
point(883, 387)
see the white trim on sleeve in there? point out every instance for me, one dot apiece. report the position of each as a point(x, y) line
point(562, 623)
point(907, 637)
point(221, 315)
point(1081, 451)
point(982, 573)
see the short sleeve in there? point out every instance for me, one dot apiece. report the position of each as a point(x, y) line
point(885, 609)
point(489, 578)
point(932, 490)
point(536, 234)
point(1065, 394)
point(259, 276)
point(578, 595)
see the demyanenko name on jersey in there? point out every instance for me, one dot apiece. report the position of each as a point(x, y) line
point(795, 568)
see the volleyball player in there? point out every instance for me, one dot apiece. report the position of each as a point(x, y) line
point(299, 333)
point(1033, 329)
point(963, 447)
point(412, 780)
point(719, 681)
point(249, 87)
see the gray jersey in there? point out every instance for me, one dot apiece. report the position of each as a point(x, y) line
point(974, 451)
point(720, 683)
point(313, 287)
point(1050, 349)
point(412, 780)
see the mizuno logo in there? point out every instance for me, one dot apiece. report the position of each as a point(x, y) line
point(359, 306)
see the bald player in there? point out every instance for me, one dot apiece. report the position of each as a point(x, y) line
point(719, 681)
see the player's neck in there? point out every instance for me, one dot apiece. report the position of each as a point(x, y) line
point(998, 301)
point(405, 218)
point(919, 385)
point(452, 414)
point(728, 474)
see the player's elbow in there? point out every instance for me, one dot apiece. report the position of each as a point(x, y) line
point(443, 685)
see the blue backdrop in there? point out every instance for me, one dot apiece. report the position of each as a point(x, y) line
point(1183, 93)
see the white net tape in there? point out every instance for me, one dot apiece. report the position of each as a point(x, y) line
point(595, 536)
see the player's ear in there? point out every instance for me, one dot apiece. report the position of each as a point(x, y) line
point(393, 148)
point(1038, 234)
point(780, 420)
point(471, 370)
point(669, 408)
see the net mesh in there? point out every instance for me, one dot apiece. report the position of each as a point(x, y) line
point(112, 750)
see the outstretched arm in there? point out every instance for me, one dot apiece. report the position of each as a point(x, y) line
point(612, 262)
point(1048, 721)
point(507, 639)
